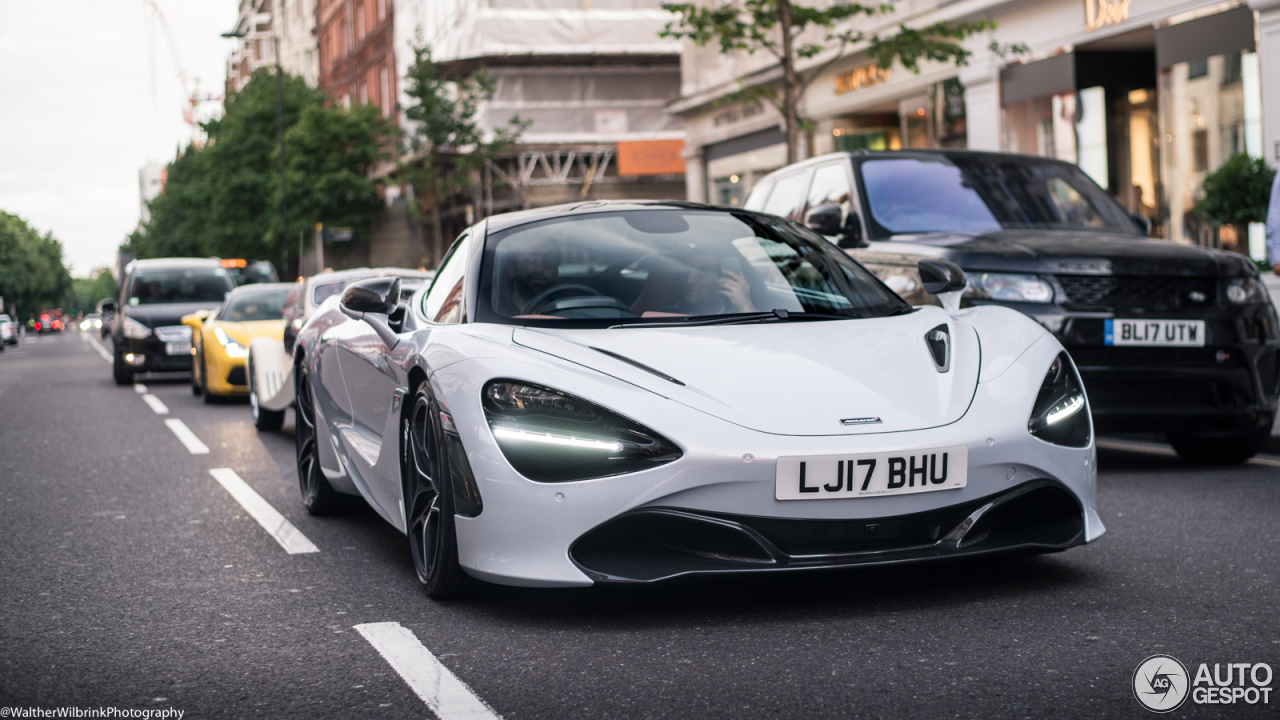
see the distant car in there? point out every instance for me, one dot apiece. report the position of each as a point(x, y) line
point(221, 337)
point(1169, 338)
point(91, 322)
point(8, 331)
point(104, 311)
point(270, 362)
point(148, 334)
point(244, 272)
point(48, 321)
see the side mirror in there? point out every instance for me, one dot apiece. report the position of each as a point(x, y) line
point(371, 301)
point(1142, 222)
point(944, 279)
point(824, 219)
point(851, 233)
point(375, 295)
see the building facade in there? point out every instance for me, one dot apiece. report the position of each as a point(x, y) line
point(593, 79)
point(263, 23)
point(1147, 96)
point(357, 52)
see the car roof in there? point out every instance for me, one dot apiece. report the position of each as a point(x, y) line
point(508, 220)
point(909, 152)
point(258, 287)
point(368, 272)
point(166, 263)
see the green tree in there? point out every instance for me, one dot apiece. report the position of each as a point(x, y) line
point(84, 293)
point(445, 142)
point(32, 273)
point(224, 198)
point(1238, 192)
point(776, 27)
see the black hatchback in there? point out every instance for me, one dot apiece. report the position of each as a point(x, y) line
point(147, 334)
point(1169, 338)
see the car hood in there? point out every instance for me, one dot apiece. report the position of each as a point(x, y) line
point(1083, 253)
point(154, 316)
point(798, 378)
point(246, 332)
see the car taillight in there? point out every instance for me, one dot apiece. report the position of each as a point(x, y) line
point(37, 326)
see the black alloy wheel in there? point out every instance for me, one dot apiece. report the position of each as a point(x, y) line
point(428, 500)
point(209, 398)
point(318, 496)
point(263, 419)
point(122, 374)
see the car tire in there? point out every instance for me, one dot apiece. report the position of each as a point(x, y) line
point(208, 397)
point(428, 500)
point(263, 419)
point(1219, 449)
point(122, 374)
point(318, 496)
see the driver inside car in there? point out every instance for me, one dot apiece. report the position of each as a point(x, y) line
point(533, 268)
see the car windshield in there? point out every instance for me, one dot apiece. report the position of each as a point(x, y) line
point(664, 265)
point(188, 285)
point(983, 193)
point(251, 305)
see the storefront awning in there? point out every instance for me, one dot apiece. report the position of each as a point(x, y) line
point(744, 143)
point(1226, 32)
point(1038, 79)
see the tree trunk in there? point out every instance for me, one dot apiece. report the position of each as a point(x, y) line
point(790, 84)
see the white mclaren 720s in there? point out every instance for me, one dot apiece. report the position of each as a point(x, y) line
point(632, 392)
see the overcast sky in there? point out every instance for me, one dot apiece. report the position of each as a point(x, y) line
point(79, 114)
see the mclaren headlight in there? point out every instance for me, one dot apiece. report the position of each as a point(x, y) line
point(1006, 286)
point(135, 330)
point(1061, 414)
point(233, 348)
point(549, 436)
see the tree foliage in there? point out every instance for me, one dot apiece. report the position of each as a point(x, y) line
point(32, 274)
point(776, 27)
point(1238, 192)
point(84, 293)
point(446, 143)
point(224, 198)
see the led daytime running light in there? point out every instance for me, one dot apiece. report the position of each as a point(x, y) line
point(548, 439)
point(1066, 409)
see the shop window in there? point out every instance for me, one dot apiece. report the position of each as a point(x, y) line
point(729, 190)
point(1200, 149)
point(1230, 68)
point(1197, 68)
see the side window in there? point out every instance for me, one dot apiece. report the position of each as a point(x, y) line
point(759, 194)
point(787, 198)
point(830, 186)
point(444, 301)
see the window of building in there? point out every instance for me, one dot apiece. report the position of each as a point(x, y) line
point(359, 21)
point(382, 10)
point(1200, 149)
point(1197, 68)
point(364, 92)
point(384, 90)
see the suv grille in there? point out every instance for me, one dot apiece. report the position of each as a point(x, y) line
point(1148, 293)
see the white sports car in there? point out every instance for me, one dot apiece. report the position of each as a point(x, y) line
point(632, 392)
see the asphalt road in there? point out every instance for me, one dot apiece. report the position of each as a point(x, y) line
point(130, 578)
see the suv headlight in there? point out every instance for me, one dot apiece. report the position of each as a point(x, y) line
point(135, 330)
point(1244, 290)
point(1061, 413)
point(549, 436)
point(1004, 286)
point(233, 348)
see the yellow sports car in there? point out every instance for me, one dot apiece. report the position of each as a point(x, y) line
point(220, 338)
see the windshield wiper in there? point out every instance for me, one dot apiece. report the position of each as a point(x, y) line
point(776, 315)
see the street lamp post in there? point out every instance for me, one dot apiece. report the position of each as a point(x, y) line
point(284, 188)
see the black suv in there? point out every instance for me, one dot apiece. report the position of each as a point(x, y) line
point(1168, 338)
point(147, 333)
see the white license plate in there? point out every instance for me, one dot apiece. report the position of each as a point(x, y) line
point(1154, 333)
point(823, 477)
point(177, 348)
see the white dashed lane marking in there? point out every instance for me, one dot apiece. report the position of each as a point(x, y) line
point(139, 388)
point(447, 696)
point(293, 541)
point(153, 401)
point(106, 354)
point(187, 437)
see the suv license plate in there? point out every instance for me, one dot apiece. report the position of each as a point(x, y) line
point(1154, 333)
point(178, 348)
point(825, 477)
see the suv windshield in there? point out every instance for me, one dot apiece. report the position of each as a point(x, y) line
point(251, 305)
point(983, 193)
point(189, 285)
point(662, 265)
